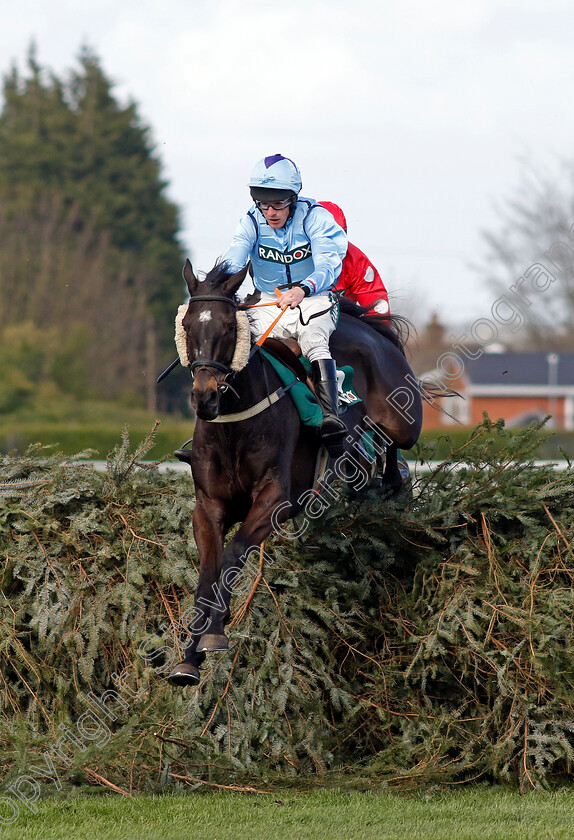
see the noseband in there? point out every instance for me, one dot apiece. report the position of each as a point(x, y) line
point(211, 363)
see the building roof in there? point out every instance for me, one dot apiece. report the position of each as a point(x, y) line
point(521, 369)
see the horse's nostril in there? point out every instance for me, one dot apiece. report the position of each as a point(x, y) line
point(207, 403)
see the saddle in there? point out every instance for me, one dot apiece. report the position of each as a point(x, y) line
point(287, 350)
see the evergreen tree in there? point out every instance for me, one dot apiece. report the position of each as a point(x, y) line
point(73, 157)
point(401, 642)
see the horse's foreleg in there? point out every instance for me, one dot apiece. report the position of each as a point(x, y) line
point(208, 529)
point(254, 530)
point(391, 477)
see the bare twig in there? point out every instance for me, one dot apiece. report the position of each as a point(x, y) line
point(189, 780)
point(244, 608)
point(102, 781)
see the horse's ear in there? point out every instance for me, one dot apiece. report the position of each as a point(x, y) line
point(190, 278)
point(233, 282)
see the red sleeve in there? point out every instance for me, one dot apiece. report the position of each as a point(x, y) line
point(360, 279)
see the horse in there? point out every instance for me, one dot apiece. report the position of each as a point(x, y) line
point(253, 461)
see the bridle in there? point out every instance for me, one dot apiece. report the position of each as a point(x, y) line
point(237, 363)
point(212, 363)
point(199, 364)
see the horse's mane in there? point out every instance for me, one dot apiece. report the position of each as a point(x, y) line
point(220, 272)
point(393, 327)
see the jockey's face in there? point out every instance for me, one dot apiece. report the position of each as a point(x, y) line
point(276, 218)
point(276, 213)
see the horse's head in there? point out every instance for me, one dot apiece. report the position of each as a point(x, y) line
point(211, 333)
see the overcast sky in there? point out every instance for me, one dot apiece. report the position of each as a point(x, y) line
point(412, 115)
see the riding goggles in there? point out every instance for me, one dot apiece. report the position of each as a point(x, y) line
point(274, 205)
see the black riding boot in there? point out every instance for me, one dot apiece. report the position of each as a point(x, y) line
point(332, 430)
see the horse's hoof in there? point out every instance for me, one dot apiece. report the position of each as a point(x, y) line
point(212, 642)
point(184, 674)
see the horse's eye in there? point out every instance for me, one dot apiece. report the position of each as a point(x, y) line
point(230, 329)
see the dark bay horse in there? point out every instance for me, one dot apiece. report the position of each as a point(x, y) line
point(252, 459)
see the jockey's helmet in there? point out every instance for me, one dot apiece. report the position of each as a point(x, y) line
point(274, 178)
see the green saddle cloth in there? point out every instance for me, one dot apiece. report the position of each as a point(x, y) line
point(304, 399)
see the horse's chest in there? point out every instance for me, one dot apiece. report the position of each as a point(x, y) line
point(233, 473)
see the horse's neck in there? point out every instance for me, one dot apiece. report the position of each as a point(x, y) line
point(252, 384)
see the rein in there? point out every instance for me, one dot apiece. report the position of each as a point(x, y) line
point(260, 341)
point(266, 402)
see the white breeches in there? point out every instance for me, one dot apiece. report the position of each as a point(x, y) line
point(312, 335)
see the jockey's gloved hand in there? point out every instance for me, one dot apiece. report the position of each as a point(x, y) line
point(291, 297)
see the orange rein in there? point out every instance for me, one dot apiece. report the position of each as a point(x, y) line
point(269, 329)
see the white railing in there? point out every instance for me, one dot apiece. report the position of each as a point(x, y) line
point(416, 467)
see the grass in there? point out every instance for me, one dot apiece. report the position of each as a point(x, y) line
point(72, 426)
point(481, 812)
point(444, 441)
point(99, 429)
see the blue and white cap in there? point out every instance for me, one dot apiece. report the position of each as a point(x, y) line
point(276, 172)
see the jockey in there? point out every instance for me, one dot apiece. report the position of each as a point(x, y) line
point(359, 279)
point(294, 245)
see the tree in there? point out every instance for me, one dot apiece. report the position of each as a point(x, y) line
point(56, 279)
point(529, 260)
point(88, 234)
